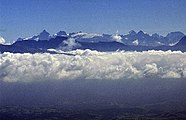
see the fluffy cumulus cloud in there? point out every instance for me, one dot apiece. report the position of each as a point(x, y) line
point(117, 38)
point(2, 40)
point(87, 64)
point(70, 44)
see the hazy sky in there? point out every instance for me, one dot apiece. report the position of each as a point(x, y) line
point(23, 18)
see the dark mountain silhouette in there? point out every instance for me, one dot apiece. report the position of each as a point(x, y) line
point(112, 46)
point(18, 49)
point(103, 46)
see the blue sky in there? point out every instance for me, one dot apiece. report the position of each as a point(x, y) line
point(23, 18)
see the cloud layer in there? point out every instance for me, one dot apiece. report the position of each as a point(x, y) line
point(86, 64)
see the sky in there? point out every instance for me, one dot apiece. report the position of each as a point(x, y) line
point(24, 18)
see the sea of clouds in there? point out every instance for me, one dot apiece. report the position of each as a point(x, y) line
point(87, 64)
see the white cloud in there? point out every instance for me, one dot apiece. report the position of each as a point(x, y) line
point(80, 34)
point(70, 44)
point(2, 40)
point(151, 69)
point(117, 38)
point(87, 64)
point(91, 35)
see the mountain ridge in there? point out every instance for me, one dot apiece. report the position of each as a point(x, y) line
point(101, 42)
point(144, 39)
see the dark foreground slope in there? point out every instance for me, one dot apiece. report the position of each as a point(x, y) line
point(94, 99)
point(96, 93)
point(59, 113)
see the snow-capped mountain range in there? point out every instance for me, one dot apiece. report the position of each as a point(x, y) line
point(133, 41)
point(132, 38)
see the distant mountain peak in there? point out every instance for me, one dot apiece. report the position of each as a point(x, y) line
point(176, 33)
point(182, 42)
point(174, 36)
point(61, 33)
point(132, 32)
point(140, 32)
point(44, 32)
point(155, 35)
point(19, 39)
point(44, 35)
